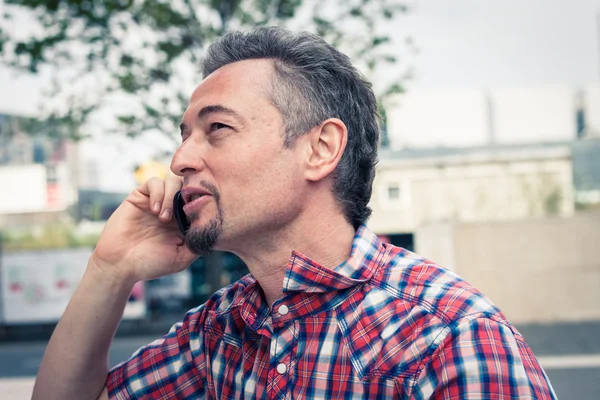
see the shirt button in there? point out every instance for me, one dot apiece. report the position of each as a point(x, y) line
point(283, 309)
point(281, 368)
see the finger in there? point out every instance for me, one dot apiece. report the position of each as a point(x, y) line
point(172, 185)
point(154, 188)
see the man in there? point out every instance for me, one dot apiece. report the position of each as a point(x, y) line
point(279, 145)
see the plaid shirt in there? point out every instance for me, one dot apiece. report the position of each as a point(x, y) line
point(384, 324)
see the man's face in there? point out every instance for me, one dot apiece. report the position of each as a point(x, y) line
point(232, 148)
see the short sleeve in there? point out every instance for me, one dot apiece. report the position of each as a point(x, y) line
point(169, 368)
point(482, 359)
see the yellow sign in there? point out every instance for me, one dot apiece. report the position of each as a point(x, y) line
point(149, 170)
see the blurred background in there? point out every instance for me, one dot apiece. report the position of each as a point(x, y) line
point(489, 161)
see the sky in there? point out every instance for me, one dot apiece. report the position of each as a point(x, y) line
point(461, 44)
point(504, 43)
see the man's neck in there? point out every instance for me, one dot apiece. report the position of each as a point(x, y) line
point(327, 240)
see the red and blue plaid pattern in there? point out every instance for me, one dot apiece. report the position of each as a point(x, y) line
point(384, 324)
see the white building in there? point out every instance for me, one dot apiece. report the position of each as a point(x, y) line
point(414, 188)
point(458, 118)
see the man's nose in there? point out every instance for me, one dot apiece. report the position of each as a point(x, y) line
point(189, 158)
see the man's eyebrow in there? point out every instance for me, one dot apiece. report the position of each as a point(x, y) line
point(217, 108)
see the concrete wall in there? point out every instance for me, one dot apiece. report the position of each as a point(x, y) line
point(536, 270)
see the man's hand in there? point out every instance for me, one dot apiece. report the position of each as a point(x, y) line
point(141, 240)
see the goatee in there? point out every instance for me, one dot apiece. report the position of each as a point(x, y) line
point(201, 241)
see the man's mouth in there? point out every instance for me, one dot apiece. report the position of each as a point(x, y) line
point(191, 193)
point(194, 198)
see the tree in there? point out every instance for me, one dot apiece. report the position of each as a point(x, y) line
point(138, 59)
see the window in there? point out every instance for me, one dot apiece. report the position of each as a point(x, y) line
point(394, 192)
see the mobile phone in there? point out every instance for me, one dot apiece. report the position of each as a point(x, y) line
point(182, 219)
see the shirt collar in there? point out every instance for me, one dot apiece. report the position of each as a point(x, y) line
point(306, 275)
point(309, 287)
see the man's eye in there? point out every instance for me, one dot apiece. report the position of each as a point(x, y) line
point(217, 125)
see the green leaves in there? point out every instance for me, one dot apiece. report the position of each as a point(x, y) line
point(149, 50)
point(129, 82)
point(159, 15)
point(3, 40)
point(173, 50)
point(379, 40)
point(126, 60)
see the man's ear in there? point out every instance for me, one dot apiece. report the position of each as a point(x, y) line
point(326, 144)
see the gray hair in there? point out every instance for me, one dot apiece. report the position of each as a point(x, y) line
point(313, 82)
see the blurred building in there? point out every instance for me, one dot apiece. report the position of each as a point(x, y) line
point(535, 149)
point(39, 175)
point(418, 187)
